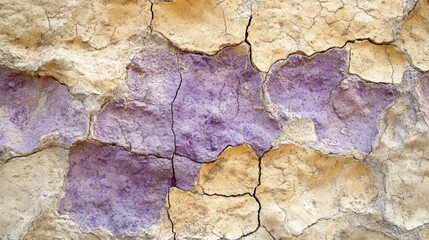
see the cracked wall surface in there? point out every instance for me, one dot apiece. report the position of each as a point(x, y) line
point(185, 119)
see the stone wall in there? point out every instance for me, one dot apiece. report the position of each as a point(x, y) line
point(233, 119)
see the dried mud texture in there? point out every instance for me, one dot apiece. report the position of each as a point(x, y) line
point(36, 112)
point(201, 26)
point(415, 36)
point(84, 44)
point(314, 26)
point(212, 217)
point(299, 186)
point(28, 185)
point(377, 63)
point(345, 109)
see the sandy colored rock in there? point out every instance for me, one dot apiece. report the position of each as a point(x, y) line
point(84, 44)
point(212, 217)
point(201, 26)
point(364, 233)
point(323, 229)
point(415, 37)
point(407, 183)
point(309, 27)
point(261, 233)
point(28, 184)
point(424, 234)
point(377, 63)
point(299, 186)
point(235, 172)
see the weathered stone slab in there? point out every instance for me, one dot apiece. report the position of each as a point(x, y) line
point(110, 188)
point(35, 110)
point(345, 110)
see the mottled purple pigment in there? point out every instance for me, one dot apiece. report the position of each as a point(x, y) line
point(111, 188)
point(423, 94)
point(218, 104)
point(32, 107)
point(344, 109)
point(186, 172)
point(144, 124)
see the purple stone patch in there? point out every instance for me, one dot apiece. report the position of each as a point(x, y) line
point(343, 108)
point(144, 124)
point(33, 107)
point(186, 172)
point(111, 188)
point(218, 104)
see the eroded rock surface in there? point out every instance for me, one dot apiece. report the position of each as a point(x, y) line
point(415, 37)
point(314, 26)
point(85, 44)
point(110, 188)
point(423, 94)
point(212, 217)
point(201, 26)
point(235, 172)
point(35, 111)
point(407, 183)
point(377, 63)
point(28, 184)
point(218, 104)
point(299, 186)
point(345, 110)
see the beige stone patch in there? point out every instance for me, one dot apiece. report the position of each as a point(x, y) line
point(407, 183)
point(309, 27)
point(377, 63)
point(424, 234)
point(324, 229)
point(87, 44)
point(415, 35)
point(236, 171)
point(299, 186)
point(300, 130)
point(260, 234)
point(363, 233)
point(197, 216)
point(202, 26)
point(27, 185)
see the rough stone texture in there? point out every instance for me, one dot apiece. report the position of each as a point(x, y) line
point(27, 185)
point(310, 27)
point(212, 217)
point(345, 110)
point(218, 104)
point(407, 183)
point(186, 172)
point(261, 233)
point(86, 44)
point(35, 111)
point(377, 63)
point(99, 173)
point(423, 94)
point(424, 234)
point(202, 26)
point(235, 172)
point(415, 37)
point(299, 186)
point(364, 233)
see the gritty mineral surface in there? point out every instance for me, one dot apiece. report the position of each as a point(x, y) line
point(215, 119)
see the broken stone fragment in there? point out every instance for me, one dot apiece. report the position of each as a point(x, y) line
point(218, 104)
point(415, 37)
point(299, 186)
point(422, 89)
point(407, 183)
point(200, 26)
point(377, 63)
point(345, 110)
point(107, 187)
point(35, 111)
point(28, 185)
point(212, 217)
point(311, 27)
point(235, 172)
